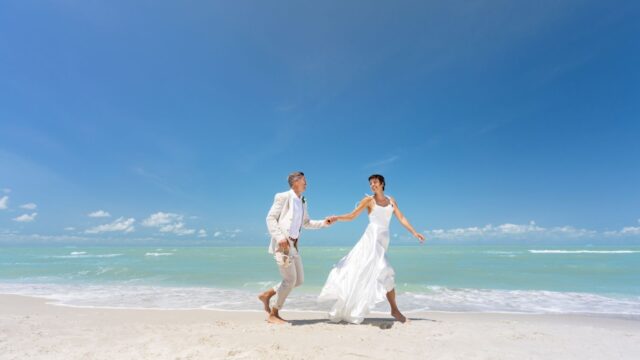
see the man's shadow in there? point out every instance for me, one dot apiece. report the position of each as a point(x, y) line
point(382, 323)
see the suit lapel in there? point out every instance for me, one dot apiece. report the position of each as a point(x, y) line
point(291, 195)
point(304, 209)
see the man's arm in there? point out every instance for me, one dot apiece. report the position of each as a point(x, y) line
point(312, 224)
point(273, 215)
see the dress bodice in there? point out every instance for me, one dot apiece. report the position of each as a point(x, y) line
point(381, 215)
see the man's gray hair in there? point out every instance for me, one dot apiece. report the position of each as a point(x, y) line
point(294, 176)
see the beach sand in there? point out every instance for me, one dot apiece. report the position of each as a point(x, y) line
point(32, 329)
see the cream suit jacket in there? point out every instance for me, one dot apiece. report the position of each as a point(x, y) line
point(280, 217)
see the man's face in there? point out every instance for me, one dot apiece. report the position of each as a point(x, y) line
point(300, 185)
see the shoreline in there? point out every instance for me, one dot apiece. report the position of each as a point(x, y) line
point(52, 302)
point(29, 326)
point(465, 301)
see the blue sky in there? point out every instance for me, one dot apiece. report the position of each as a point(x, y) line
point(178, 121)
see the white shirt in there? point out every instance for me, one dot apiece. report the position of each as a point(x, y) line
point(296, 221)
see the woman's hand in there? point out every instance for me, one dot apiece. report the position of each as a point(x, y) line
point(329, 220)
point(419, 236)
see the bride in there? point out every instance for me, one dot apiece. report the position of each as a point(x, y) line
point(364, 277)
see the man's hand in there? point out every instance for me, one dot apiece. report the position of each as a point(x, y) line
point(419, 237)
point(284, 245)
point(329, 220)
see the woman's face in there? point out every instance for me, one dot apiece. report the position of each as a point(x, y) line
point(375, 185)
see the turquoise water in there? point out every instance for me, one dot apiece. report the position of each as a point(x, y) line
point(568, 279)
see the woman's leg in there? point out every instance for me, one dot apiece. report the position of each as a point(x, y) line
point(395, 312)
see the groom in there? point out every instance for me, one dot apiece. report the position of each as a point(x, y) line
point(287, 216)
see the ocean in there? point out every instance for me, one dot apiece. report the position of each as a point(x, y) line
point(597, 280)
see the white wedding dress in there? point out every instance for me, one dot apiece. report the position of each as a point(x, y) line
point(363, 277)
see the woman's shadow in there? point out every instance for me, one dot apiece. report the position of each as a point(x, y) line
point(382, 323)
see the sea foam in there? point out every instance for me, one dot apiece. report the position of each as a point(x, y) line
point(434, 298)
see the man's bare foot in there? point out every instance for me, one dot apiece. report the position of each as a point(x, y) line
point(398, 316)
point(265, 297)
point(276, 319)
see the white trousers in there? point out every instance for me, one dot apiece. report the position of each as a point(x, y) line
point(292, 276)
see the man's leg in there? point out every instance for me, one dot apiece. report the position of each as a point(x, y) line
point(289, 278)
point(265, 298)
point(299, 271)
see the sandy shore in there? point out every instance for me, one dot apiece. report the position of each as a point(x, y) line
point(31, 328)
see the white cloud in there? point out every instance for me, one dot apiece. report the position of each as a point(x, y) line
point(202, 233)
point(99, 214)
point(6, 190)
point(168, 222)
point(227, 234)
point(630, 230)
point(21, 238)
point(572, 232)
point(382, 162)
point(233, 233)
point(177, 228)
point(625, 231)
point(161, 218)
point(509, 230)
point(121, 224)
point(512, 229)
point(4, 202)
point(17, 238)
point(69, 228)
point(26, 217)
point(29, 206)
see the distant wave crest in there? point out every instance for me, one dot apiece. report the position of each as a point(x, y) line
point(584, 251)
point(83, 254)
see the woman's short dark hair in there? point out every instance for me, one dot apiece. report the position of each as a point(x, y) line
point(379, 177)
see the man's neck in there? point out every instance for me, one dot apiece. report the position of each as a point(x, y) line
point(297, 194)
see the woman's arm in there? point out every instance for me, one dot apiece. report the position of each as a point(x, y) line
point(364, 203)
point(307, 223)
point(403, 220)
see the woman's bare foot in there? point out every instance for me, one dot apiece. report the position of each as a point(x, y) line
point(265, 297)
point(398, 316)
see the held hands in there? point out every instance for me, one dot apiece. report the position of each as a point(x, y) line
point(329, 220)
